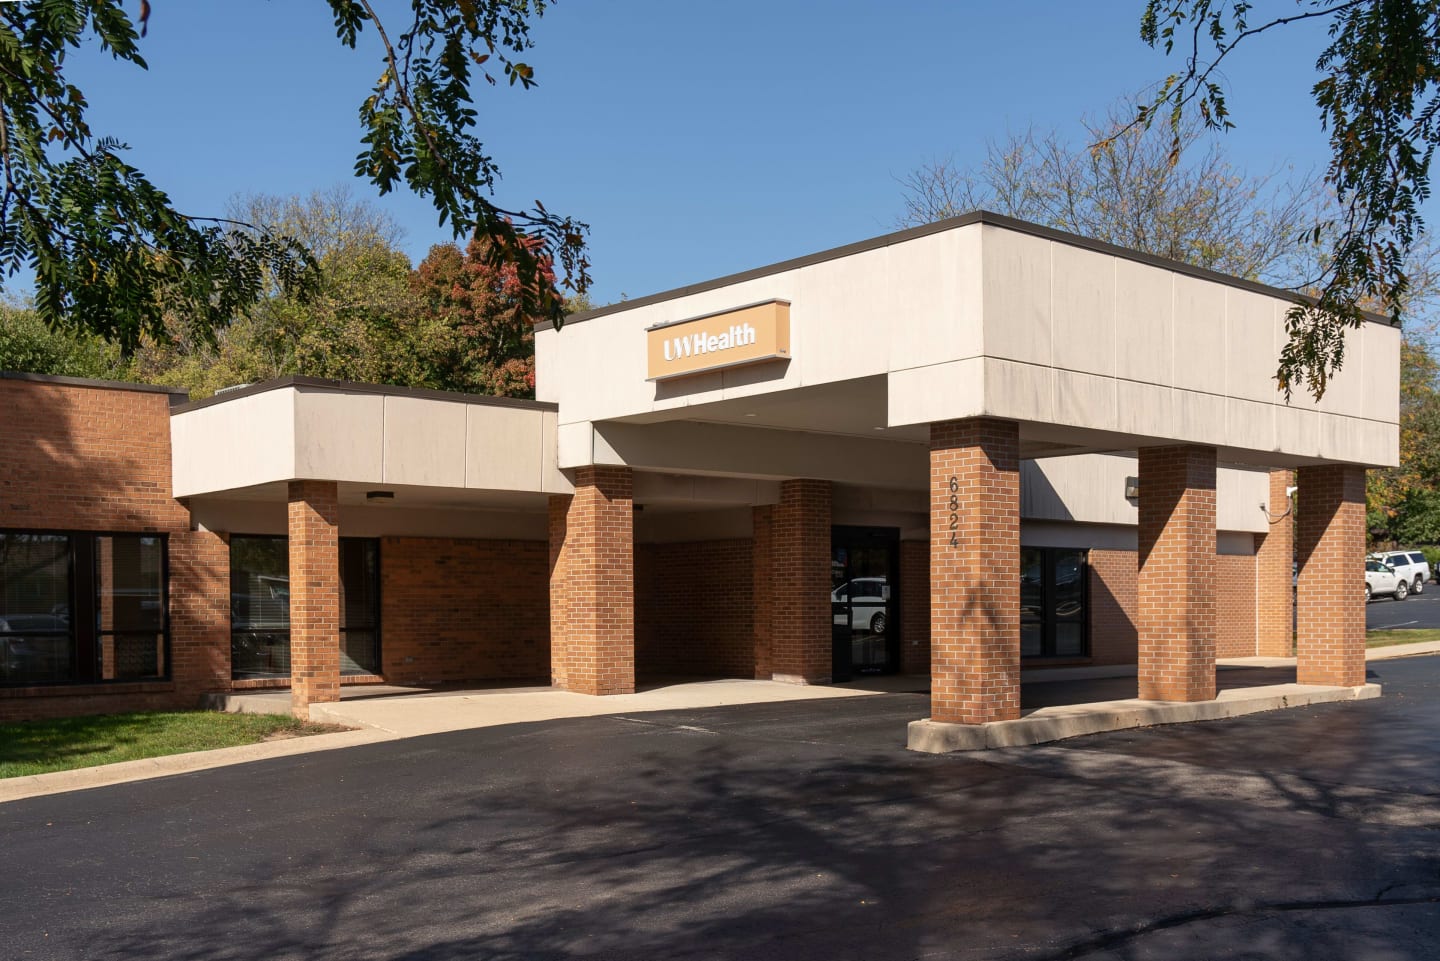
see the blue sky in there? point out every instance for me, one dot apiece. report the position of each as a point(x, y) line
point(697, 139)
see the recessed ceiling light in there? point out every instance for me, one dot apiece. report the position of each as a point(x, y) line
point(752, 414)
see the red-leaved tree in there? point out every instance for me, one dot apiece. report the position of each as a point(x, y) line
point(473, 307)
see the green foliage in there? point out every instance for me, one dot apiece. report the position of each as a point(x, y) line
point(1404, 501)
point(452, 324)
point(111, 255)
point(1432, 557)
point(1379, 99)
point(27, 344)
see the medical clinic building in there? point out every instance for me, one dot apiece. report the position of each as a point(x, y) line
point(961, 450)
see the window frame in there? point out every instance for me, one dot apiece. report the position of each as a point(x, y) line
point(84, 629)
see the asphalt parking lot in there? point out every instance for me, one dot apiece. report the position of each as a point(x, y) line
point(772, 831)
point(1415, 612)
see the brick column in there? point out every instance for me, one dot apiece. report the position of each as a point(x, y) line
point(762, 546)
point(974, 571)
point(1330, 537)
point(599, 566)
point(800, 624)
point(915, 607)
point(1274, 588)
point(1175, 585)
point(314, 595)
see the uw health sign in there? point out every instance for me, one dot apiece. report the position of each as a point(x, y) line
point(746, 335)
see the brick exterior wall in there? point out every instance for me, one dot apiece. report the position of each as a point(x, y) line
point(463, 610)
point(974, 531)
point(694, 609)
point(559, 512)
point(84, 458)
point(599, 578)
point(1235, 605)
point(1330, 542)
point(200, 611)
point(1176, 583)
point(762, 589)
point(94, 458)
point(1274, 556)
point(915, 607)
point(314, 595)
point(801, 645)
point(1114, 608)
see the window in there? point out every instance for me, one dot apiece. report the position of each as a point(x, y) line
point(82, 608)
point(1053, 621)
point(260, 606)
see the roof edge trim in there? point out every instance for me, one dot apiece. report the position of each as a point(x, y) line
point(342, 387)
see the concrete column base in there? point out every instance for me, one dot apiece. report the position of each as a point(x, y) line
point(1075, 720)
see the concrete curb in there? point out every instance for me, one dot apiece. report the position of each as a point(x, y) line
point(1059, 723)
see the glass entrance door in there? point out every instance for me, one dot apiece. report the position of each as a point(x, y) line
point(864, 600)
point(1052, 602)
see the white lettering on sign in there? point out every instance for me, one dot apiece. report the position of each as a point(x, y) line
point(740, 335)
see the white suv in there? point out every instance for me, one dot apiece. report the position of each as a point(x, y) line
point(1380, 578)
point(1410, 565)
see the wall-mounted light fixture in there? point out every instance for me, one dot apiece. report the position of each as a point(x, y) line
point(379, 495)
point(1132, 488)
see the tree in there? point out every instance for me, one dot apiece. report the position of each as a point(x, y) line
point(1404, 501)
point(27, 344)
point(111, 254)
point(1129, 192)
point(1379, 99)
point(492, 344)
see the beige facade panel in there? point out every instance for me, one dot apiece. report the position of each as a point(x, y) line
point(732, 338)
point(365, 437)
point(238, 444)
point(424, 442)
point(339, 436)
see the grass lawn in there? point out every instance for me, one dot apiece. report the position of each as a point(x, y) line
point(34, 747)
point(1401, 636)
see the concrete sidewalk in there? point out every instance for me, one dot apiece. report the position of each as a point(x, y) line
point(382, 714)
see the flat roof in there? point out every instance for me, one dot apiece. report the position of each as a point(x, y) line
point(348, 387)
point(177, 394)
point(951, 223)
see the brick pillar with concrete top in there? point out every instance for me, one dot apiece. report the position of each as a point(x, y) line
point(314, 529)
point(1330, 542)
point(1274, 577)
point(974, 571)
point(762, 546)
point(1175, 584)
point(599, 569)
point(559, 590)
point(800, 640)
